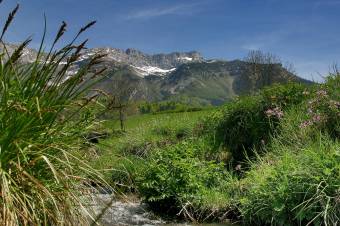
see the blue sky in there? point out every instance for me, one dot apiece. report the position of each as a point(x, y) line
point(303, 32)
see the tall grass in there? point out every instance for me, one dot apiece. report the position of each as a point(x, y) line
point(40, 123)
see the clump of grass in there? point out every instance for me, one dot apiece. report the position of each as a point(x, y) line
point(294, 186)
point(39, 175)
point(249, 121)
point(297, 180)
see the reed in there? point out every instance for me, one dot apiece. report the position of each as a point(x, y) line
point(40, 127)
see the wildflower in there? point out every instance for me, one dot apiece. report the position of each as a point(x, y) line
point(334, 104)
point(317, 118)
point(269, 112)
point(276, 112)
point(321, 93)
point(306, 124)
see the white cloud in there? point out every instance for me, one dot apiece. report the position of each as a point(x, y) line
point(179, 9)
point(252, 46)
point(319, 4)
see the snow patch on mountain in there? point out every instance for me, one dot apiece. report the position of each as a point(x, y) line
point(211, 61)
point(185, 58)
point(151, 70)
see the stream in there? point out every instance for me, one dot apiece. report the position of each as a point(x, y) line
point(115, 212)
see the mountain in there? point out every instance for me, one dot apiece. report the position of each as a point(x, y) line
point(145, 64)
point(178, 76)
point(28, 55)
point(134, 75)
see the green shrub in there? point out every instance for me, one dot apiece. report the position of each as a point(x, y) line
point(173, 131)
point(179, 175)
point(320, 113)
point(249, 121)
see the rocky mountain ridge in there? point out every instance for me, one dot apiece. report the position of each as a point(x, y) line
point(145, 64)
point(135, 75)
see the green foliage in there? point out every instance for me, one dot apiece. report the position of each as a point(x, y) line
point(249, 122)
point(297, 181)
point(125, 172)
point(179, 174)
point(167, 107)
point(181, 165)
point(39, 132)
point(122, 156)
point(294, 186)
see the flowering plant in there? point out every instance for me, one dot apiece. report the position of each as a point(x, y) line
point(323, 111)
point(274, 112)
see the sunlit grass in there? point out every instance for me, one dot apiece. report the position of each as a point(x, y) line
point(123, 153)
point(40, 124)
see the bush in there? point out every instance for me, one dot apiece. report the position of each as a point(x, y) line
point(38, 183)
point(249, 121)
point(178, 176)
point(320, 113)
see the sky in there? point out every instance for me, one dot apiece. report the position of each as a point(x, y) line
point(302, 32)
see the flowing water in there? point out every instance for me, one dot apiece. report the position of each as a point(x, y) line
point(114, 212)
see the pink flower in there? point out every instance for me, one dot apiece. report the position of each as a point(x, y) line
point(317, 118)
point(306, 124)
point(334, 104)
point(322, 93)
point(277, 112)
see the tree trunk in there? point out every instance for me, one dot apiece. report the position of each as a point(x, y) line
point(121, 117)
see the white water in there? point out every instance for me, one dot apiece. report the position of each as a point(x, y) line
point(122, 213)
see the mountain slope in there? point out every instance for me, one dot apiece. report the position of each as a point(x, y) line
point(135, 75)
